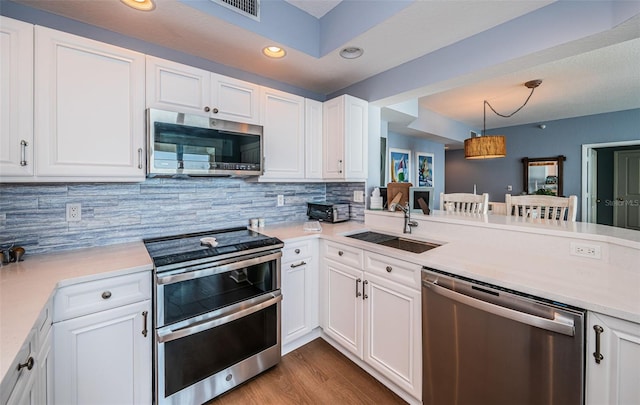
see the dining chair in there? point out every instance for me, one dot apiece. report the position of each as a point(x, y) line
point(465, 202)
point(542, 206)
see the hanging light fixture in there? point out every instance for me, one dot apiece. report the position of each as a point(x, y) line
point(493, 146)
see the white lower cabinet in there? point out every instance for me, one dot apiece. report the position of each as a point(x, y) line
point(102, 341)
point(375, 316)
point(104, 358)
point(616, 378)
point(299, 290)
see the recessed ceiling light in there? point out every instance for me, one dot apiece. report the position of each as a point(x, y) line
point(351, 52)
point(144, 5)
point(274, 52)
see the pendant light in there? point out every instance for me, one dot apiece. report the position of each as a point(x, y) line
point(493, 146)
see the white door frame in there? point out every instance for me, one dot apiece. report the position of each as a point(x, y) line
point(588, 173)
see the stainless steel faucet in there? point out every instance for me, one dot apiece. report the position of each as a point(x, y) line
point(408, 223)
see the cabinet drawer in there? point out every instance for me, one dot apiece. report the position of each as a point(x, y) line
point(393, 269)
point(296, 251)
point(95, 296)
point(13, 382)
point(343, 254)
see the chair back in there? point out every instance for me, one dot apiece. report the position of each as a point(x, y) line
point(465, 202)
point(542, 206)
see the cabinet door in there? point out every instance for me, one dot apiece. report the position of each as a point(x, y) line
point(392, 332)
point(300, 299)
point(176, 87)
point(104, 358)
point(333, 139)
point(44, 372)
point(16, 98)
point(616, 379)
point(89, 101)
point(283, 115)
point(235, 100)
point(313, 139)
point(356, 138)
point(342, 319)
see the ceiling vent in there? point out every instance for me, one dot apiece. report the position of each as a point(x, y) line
point(249, 8)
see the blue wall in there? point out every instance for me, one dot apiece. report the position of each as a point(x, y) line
point(561, 137)
point(416, 144)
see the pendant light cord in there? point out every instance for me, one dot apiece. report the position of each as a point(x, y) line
point(486, 103)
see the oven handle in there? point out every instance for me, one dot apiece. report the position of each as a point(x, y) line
point(190, 275)
point(270, 299)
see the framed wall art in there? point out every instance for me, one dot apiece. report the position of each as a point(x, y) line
point(399, 165)
point(424, 169)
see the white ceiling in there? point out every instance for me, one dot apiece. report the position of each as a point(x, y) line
point(577, 81)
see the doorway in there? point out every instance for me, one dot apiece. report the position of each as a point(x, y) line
point(602, 202)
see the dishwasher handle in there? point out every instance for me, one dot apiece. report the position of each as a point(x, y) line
point(561, 325)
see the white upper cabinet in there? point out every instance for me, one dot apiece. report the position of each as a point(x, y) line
point(235, 100)
point(16, 102)
point(313, 139)
point(284, 135)
point(176, 87)
point(89, 109)
point(345, 138)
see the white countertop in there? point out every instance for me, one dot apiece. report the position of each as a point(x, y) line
point(25, 287)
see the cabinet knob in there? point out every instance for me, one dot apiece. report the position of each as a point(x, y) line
point(106, 295)
point(215, 110)
point(389, 268)
point(207, 109)
point(340, 252)
point(297, 251)
point(28, 364)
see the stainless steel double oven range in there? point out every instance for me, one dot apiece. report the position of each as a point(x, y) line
point(217, 312)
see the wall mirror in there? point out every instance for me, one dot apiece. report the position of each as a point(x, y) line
point(543, 175)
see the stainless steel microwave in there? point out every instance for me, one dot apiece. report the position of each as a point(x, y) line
point(194, 145)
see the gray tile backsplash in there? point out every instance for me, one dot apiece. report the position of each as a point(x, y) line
point(33, 215)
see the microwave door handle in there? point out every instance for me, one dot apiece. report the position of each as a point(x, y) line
point(190, 275)
point(560, 324)
point(271, 299)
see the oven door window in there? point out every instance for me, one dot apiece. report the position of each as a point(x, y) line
point(193, 358)
point(190, 298)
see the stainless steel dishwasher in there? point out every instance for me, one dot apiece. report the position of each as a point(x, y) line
point(484, 344)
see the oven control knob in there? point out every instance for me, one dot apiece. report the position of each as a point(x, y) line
point(106, 295)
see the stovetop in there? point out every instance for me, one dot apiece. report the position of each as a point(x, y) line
point(187, 247)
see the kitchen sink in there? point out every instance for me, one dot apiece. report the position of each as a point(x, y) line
point(397, 242)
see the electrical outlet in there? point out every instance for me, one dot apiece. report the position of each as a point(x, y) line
point(280, 200)
point(509, 188)
point(358, 196)
point(586, 250)
point(74, 212)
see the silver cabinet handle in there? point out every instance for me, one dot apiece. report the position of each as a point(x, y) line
point(23, 154)
point(364, 295)
point(389, 268)
point(358, 291)
point(597, 355)
point(139, 158)
point(340, 166)
point(302, 263)
point(28, 364)
point(106, 295)
point(144, 323)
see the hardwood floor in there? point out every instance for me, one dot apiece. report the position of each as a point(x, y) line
point(314, 374)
